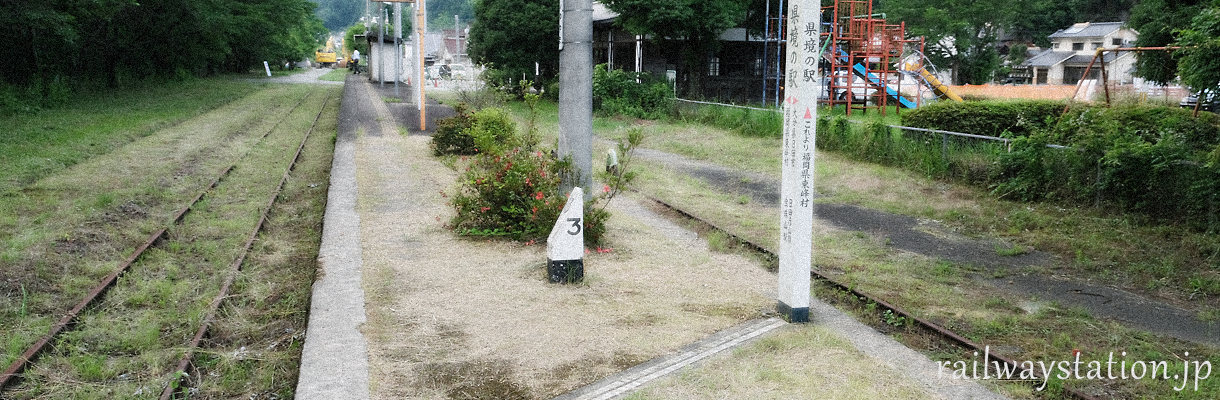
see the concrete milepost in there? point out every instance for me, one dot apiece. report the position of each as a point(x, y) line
point(800, 132)
point(576, 90)
point(565, 247)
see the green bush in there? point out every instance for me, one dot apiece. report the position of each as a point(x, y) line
point(453, 134)
point(1152, 160)
point(1148, 122)
point(988, 118)
point(515, 195)
point(494, 131)
point(511, 189)
point(490, 130)
point(616, 92)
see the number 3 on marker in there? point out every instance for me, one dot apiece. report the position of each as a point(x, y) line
point(575, 226)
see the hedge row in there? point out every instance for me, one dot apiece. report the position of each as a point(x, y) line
point(989, 118)
point(1156, 160)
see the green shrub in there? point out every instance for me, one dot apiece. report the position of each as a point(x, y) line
point(453, 134)
point(551, 91)
point(490, 130)
point(616, 92)
point(494, 131)
point(1150, 123)
point(515, 195)
point(512, 189)
point(988, 118)
point(1152, 160)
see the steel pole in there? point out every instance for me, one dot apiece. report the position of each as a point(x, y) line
point(576, 92)
point(766, 53)
point(779, 50)
point(397, 47)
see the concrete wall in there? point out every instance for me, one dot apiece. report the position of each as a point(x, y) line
point(1054, 75)
point(372, 62)
point(1120, 70)
point(378, 51)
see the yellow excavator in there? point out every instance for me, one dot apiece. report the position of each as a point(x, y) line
point(326, 57)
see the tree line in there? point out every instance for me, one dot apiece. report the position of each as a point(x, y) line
point(114, 42)
point(961, 35)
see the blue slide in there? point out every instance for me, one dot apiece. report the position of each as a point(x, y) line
point(873, 79)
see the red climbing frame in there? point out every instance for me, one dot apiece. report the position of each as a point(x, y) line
point(862, 53)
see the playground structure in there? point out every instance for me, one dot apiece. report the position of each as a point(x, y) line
point(863, 57)
point(867, 57)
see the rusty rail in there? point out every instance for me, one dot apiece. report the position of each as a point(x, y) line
point(940, 330)
point(171, 387)
point(14, 369)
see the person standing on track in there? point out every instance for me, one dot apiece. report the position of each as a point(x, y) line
point(355, 61)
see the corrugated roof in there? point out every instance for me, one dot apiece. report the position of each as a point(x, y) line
point(1088, 29)
point(1048, 58)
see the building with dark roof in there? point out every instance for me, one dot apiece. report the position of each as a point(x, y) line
point(1073, 48)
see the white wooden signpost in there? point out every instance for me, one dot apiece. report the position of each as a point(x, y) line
point(796, 189)
point(565, 247)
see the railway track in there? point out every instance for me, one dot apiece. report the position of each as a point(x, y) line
point(12, 374)
point(234, 268)
point(931, 327)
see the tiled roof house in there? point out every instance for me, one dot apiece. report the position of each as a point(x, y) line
point(1073, 48)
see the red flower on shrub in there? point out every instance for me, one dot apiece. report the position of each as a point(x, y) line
point(539, 196)
point(484, 209)
point(606, 189)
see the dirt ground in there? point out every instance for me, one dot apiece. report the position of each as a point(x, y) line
point(480, 320)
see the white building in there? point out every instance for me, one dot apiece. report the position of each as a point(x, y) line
point(1073, 48)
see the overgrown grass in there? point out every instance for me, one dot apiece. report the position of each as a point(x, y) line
point(335, 75)
point(942, 291)
point(256, 344)
point(38, 144)
point(76, 225)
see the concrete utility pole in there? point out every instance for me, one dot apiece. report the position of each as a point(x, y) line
point(421, 29)
point(576, 91)
point(397, 46)
point(381, 40)
point(800, 135)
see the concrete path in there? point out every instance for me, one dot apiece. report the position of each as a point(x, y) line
point(310, 76)
point(334, 361)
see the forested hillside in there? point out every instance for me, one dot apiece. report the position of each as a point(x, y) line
point(337, 15)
